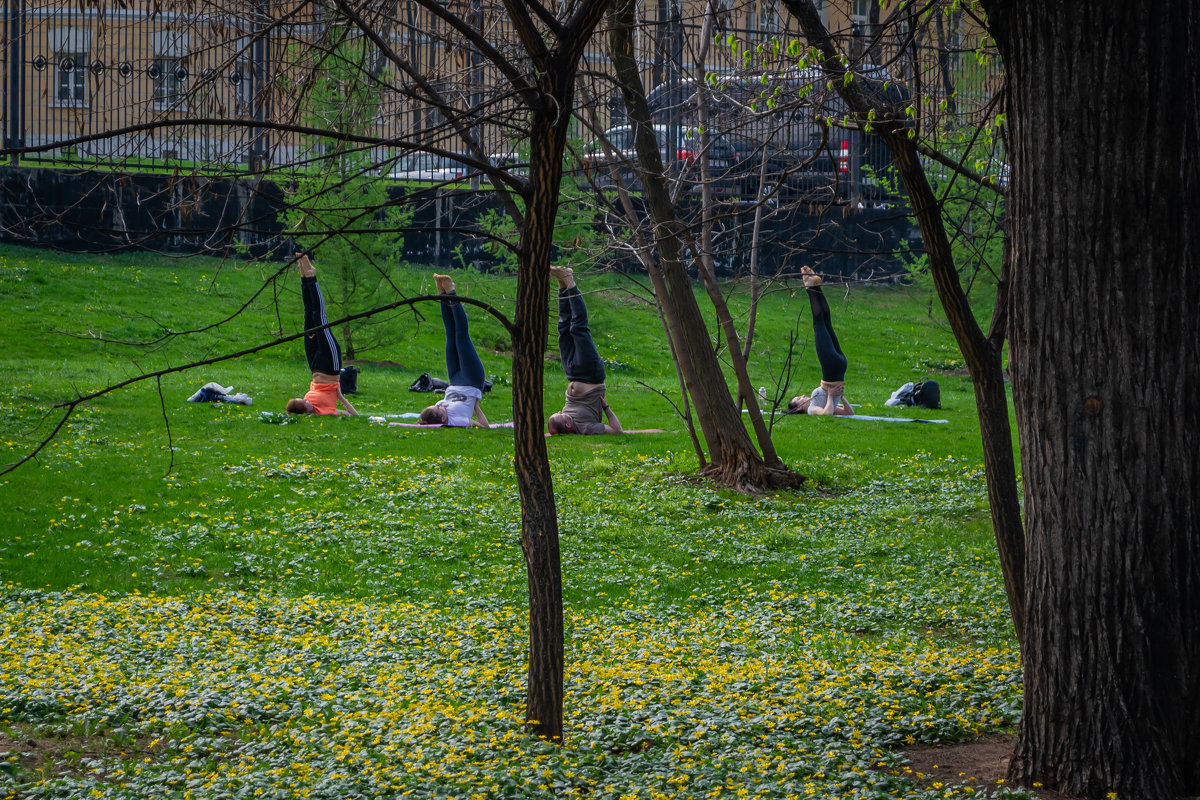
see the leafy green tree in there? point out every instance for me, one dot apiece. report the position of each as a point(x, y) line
point(338, 205)
point(577, 240)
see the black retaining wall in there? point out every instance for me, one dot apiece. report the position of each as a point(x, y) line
point(107, 212)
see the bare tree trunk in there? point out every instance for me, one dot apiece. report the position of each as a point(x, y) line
point(539, 518)
point(981, 353)
point(1106, 376)
point(755, 236)
point(733, 460)
point(555, 76)
point(982, 356)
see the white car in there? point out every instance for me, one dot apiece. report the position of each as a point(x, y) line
point(431, 168)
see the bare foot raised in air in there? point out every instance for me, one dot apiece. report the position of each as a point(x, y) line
point(564, 275)
point(445, 284)
point(811, 279)
point(307, 270)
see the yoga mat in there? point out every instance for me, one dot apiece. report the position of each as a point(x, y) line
point(864, 417)
point(419, 425)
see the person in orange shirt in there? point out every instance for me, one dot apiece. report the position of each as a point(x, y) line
point(324, 354)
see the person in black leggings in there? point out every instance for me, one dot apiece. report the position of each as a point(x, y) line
point(321, 348)
point(586, 399)
point(830, 396)
point(464, 370)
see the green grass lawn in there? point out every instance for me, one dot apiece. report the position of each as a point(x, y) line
point(202, 602)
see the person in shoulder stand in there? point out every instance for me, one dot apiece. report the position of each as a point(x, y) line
point(321, 348)
point(830, 396)
point(464, 370)
point(586, 395)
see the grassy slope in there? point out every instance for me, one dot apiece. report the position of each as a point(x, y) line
point(884, 559)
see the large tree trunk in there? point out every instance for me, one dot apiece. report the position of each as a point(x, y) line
point(1105, 107)
point(733, 460)
point(981, 353)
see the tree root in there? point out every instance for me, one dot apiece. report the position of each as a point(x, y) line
point(752, 477)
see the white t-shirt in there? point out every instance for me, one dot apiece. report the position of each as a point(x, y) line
point(459, 403)
point(817, 399)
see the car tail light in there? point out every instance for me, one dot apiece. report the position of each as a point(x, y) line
point(844, 157)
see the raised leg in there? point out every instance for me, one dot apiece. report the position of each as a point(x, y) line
point(463, 367)
point(829, 350)
point(321, 348)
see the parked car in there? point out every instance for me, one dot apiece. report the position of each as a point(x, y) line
point(803, 159)
point(595, 161)
point(430, 168)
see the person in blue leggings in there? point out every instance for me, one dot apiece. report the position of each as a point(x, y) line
point(464, 370)
point(586, 400)
point(830, 396)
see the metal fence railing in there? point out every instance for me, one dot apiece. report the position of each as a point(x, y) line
point(90, 82)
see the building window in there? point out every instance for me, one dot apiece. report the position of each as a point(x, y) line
point(242, 80)
point(170, 81)
point(70, 47)
point(768, 18)
point(71, 84)
point(168, 71)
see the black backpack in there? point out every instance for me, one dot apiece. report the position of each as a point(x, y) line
point(428, 383)
point(927, 394)
point(348, 378)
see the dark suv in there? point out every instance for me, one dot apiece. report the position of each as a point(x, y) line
point(804, 158)
point(595, 160)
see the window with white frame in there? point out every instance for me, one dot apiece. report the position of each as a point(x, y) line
point(241, 76)
point(822, 11)
point(168, 75)
point(70, 48)
point(860, 11)
point(168, 71)
point(768, 18)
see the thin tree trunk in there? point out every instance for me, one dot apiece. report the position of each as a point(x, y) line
point(555, 76)
point(981, 354)
point(539, 519)
point(733, 460)
point(745, 387)
point(738, 358)
point(755, 235)
point(1106, 376)
point(983, 359)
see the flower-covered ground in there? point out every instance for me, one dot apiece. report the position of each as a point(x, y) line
point(195, 603)
point(764, 648)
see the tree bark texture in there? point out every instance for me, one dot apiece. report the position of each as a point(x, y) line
point(554, 70)
point(1105, 335)
point(733, 460)
point(981, 353)
point(539, 515)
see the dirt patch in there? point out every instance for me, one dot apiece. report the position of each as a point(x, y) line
point(65, 755)
point(982, 763)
